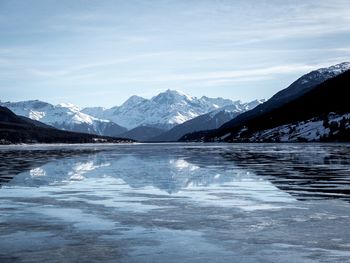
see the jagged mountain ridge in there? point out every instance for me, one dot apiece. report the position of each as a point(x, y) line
point(64, 117)
point(164, 111)
point(157, 114)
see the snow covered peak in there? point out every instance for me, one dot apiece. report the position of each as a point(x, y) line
point(323, 74)
point(173, 92)
point(335, 69)
point(306, 83)
point(171, 96)
point(133, 100)
point(69, 106)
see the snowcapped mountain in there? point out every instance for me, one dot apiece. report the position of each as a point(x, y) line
point(208, 121)
point(313, 108)
point(163, 111)
point(64, 116)
point(145, 118)
point(307, 82)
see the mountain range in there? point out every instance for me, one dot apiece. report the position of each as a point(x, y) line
point(313, 108)
point(144, 119)
point(289, 115)
point(163, 111)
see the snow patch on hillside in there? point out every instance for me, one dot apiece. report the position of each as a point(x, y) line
point(309, 130)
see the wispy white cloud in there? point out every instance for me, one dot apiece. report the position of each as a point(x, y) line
point(202, 79)
point(242, 74)
point(69, 70)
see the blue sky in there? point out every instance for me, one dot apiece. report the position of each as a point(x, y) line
point(98, 53)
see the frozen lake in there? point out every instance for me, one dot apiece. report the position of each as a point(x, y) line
point(175, 203)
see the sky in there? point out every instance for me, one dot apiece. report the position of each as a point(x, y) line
point(99, 53)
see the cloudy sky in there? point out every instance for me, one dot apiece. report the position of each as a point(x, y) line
point(101, 52)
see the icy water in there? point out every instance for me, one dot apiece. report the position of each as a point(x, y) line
point(175, 203)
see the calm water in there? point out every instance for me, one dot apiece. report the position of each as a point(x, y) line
point(175, 203)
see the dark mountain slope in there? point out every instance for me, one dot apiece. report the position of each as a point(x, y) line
point(329, 96)
point(36, 123)
point(299, 87)
point(142, 133)
point(7, 116)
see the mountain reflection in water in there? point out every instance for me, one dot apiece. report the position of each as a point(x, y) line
point(302, 170)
